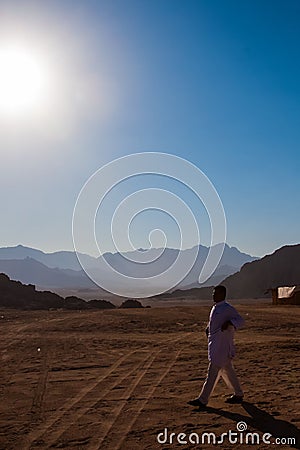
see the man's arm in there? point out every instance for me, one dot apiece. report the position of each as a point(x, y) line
point(236, 320)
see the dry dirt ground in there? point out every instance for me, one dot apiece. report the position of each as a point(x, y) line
point(115, 379)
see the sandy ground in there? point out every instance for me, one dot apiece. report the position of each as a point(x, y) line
point(115, 379)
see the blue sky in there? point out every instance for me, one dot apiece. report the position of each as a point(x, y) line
point(214, 82)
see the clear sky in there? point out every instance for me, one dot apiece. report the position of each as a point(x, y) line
point(211, 81)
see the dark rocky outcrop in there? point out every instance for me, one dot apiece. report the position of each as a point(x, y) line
point(14, 294)
point(131, 303)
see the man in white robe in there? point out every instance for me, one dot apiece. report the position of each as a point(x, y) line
point(223, 321)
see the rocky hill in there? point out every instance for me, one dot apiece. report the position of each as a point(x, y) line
point(14, 294)
point(281, 268)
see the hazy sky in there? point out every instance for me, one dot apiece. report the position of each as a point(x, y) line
point(211, 81)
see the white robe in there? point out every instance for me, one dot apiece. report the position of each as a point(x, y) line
point(221, 343)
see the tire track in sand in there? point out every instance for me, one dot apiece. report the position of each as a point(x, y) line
point(38, 397)
point(16, 334)
point(76, 415)
point(124, 428)
point(44, 427)
point(141, 369)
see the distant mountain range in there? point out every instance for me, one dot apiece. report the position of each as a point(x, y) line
point(281, 268)
point(31, 271)
point(62, 269)
point(56, 260)
point(252, 277)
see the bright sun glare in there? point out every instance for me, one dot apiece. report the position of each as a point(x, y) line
point(22, 81)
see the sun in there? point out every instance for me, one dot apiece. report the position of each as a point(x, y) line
point(22, 81)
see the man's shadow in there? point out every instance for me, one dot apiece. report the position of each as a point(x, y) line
point(262, 421)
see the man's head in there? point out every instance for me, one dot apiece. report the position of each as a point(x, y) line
point(219, 293)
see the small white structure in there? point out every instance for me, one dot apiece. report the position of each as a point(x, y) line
point(286, 295)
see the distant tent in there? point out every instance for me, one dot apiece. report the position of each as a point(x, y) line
point(286, 295)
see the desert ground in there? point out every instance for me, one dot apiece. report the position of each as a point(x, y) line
point(115, 379)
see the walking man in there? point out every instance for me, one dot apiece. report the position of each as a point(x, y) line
point(223, 321)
